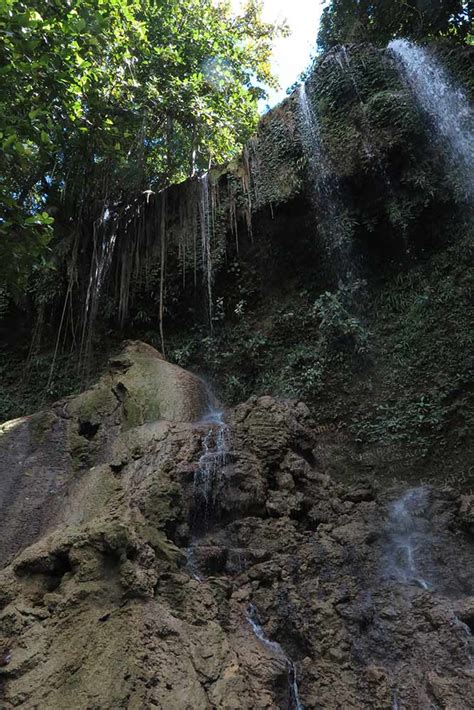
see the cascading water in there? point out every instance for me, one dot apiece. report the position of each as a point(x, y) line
point(395, 705)
point(409, 537)
point(444, 102)
point(192, 564)
point(214, 456)
point(293, 690)
point(211, 463)
point(328, 205)
point(311, 138)
point(252, 618)
point(205, 218)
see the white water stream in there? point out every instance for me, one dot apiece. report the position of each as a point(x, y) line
point(444, 102)
point(211, 462)
point(409, 537)
point(311, 139)
point(293, 690)
point(214, 456)
point(329, 208)
point(104, 240)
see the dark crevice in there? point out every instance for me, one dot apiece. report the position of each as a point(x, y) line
point(305, 454)
point(120, 364)
point(62, 566)
point(51, 570)
point(120, 392)
point(88, 430)
point(468, 621)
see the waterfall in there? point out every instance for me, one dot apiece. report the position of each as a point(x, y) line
point(444, 102)
point(395, 704)
point(252, 618)
point(409, 537)
point(293, 690)
point(335, 229)
point(295, 702)
point(191, 564)
point(311, 138)
point(205, 218)
point(214, 456)
point(211, 463)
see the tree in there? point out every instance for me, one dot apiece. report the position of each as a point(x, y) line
point(103, 99)
point(379, 21)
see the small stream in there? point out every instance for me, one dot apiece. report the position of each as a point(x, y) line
point(409, 538)
point(215, 447)
point(293, 689)
point(444, 102)
point(207, 476)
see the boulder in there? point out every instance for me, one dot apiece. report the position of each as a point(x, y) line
point(42, 456)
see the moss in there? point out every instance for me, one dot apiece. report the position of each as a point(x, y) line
point(160, 543)
point(93, 405)
point(164, 501)
point(39, 426)
point(133, 412)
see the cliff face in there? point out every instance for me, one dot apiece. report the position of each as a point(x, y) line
point(216, 564)
point(332, 263)
point(310, 546)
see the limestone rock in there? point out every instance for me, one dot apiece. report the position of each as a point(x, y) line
point(42, 455)
point(115, 598)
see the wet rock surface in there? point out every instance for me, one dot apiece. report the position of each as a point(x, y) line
point(358, 596)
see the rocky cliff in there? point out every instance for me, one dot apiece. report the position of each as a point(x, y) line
point(311, 545)
point(159, 553)
point(331, 263)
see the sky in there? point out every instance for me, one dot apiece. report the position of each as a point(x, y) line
point(291, 54)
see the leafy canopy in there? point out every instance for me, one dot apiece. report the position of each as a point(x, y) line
point(379, 21)
point(101, 99)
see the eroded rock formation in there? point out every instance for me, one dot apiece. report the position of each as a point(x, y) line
point(40, 455)
point(295, 591)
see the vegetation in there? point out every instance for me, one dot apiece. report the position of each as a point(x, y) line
point(344, 307)
point(345, 21)
point(101, 101)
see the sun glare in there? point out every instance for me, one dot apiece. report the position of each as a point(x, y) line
point(291, 55)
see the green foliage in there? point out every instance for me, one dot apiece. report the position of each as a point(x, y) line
point(273, 156)
point(27, 383)
point(406, 421)
point(293, 352)
point(339, 328)
point(390, 358)
point(424, 336)
point(365, 110)
point(100, 101)
point(24, 387)
point(330, 337)
point(5, 300)
point(346, 21)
